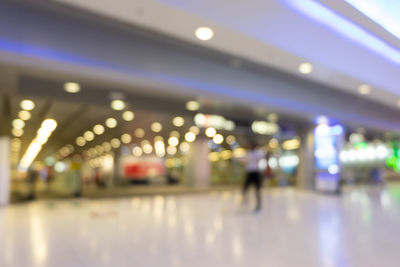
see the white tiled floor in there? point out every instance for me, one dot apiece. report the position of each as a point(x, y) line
point(294, 229)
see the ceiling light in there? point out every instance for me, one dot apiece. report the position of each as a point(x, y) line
point(147, 148)
point(98, 129)
point(80, 141)
point(118, 104)
point(364, 89)
point(107, 146)
point(192, 105)
point(111, 123)
point(173, 141)
point(27, 104)
point(156, 127)
point(171, 150)
point(210, 132)
point(305, 68)
point(194, 129)
point(115, 143)
point(89, 136)
point(174, 133)
point(204, 33)
point(139, 133)
point(230, 139)
point(18, 124)
point(184, 147)
point(190, 137)
point(72, 88)
point(178, 121)
point(137, 151)
point(126, 138)
point(128, 115)
point(24, 115)
point(17, 132)
point(218, 139)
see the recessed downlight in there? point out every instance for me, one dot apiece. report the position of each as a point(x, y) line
point(27, 104)
point(72, 88)
point(204, 33)
point(364, 89)
point(118, 104)
point(305, 68)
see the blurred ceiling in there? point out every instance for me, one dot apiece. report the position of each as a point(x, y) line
point(271, 32)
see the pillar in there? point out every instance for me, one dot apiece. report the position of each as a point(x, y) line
point(198, 168)
point(306, 171)
point(5, 174)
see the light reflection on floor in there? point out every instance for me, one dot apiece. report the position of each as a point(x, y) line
point(295, 228)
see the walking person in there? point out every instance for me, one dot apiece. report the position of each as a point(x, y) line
point(253, 174)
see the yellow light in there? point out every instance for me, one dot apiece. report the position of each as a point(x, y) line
point(226, 154)
point(99, 149)
point(291, 144)
point(190, 137)
point(27, 104)
point(139, 133)
point(230, 139)
point(118, 104)
point(210, 132)
point(178, 121)
point(184, 147)
point(305, 68)
point(173, 141)
point(147, 148)
point(98, 129)
point(115, 143)
point(159, 148)
point(156, 127)
point(89, 136)
point(24, 115)
point(194, 129)
point(213, 156)
point(204, 33)
point(80, 141)
point(364, 89)
point(111, 123)
point(171, 150)
point(17, 132)
point(192, 105)
point(218, 139)
point(107, 146)
point(44, 132)
point(137, 151)
point(158, 138)
point(239, 152)
point(72, 88)
point(128, 115)
point(126, 138)
point(273, 143)
point(18, 124)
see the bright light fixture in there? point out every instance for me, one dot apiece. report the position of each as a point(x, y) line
point(139, 133)
point(111, 123)
point(194, 129)
point(27, 104)
point(115, 143)
point(89, 136)
point(24, 115)
point(17, 132)
point(192, 105)
point(126, 138)
point(128, 115)
point(305, 68)
point(173, 141)
point(204, 33)
point(80, 141)
point(210, 132)
point(147, 148)
point(190, 137)
point(171, 150)
point(230, 139)
point(156, 127)
point(118, 104)
point(218, 139)
point(347, 28)
point(137, 151)
point(184, 147)
point(98, 129)
point(18, 124)
point(72, 88)
point(364, 89)
point(43, 134)
point(178, 121)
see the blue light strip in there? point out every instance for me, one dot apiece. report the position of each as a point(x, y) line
point(345, 27)
point(386, 13)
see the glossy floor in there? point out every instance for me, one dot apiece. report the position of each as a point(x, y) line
point(295, 228)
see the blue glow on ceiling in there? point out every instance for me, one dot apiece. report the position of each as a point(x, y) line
point(346, 28)
point(386, 13)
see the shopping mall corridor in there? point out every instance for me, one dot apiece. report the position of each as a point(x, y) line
point(295, 228)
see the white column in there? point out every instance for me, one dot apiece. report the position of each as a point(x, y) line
point(198, 168)
point(306, 170)
point(5, 166)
